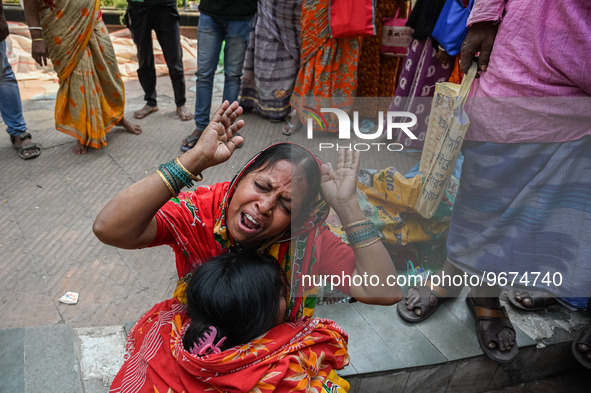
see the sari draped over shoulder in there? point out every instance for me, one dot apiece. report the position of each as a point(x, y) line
point(91, 96)
point(195, 227)
point(300, 356)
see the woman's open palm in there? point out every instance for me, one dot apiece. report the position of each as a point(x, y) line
point(218, 140)
point(339, 186)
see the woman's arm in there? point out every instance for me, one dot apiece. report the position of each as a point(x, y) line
point(128, 220)
point(38, 47)
point(339, 190)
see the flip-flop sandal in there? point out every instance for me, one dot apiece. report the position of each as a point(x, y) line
point(540, 300)
point(189, 139)
point(22, 149)
point(425, 292)
point(584, 337)
point(289, 129)
point(498, 320)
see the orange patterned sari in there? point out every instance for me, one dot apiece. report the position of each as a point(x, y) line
point(328, 67)
point(91, 96)
point(291, 357)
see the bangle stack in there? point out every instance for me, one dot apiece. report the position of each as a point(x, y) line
point(364, 237)
point(176, 176)
point(37, 39)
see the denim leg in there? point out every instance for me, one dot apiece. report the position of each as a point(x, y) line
point(10, 99)
point(237, 35)
point(210, 34)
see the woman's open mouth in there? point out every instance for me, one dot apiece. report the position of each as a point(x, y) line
point(248, 223)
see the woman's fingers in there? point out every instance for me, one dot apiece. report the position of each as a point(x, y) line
point(219, 113)
point(348, 158)
point(355, 160)
point(340, 159)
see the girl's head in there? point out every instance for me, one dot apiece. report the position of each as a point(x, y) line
point(275, 191)
point(241, 294)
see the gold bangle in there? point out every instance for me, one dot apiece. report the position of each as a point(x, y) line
point(159, 172)
point(37, 39)
point(356, 223)
point(199, 176)
point(355, 247)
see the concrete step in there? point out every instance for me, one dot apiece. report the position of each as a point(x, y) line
point(39, 359)
point(387, 354)
point(59, 359)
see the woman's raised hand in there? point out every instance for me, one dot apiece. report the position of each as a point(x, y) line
point(218, 141)
point(339, 186)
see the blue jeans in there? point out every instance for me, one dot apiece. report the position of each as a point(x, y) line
point(10, 98)
point(211, 32)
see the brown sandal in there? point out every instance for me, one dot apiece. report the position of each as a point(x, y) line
point(425, 292)
point(498, 320)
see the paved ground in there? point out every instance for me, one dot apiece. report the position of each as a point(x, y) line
point(47, 248)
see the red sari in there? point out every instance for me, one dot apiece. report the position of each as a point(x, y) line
point(292, 357)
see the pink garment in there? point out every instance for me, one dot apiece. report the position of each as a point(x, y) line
point(538, 84)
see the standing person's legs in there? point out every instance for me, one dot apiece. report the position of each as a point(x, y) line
point(12, 111)
point(236, 37)
point(210, 34)
point(139, 23)
point(166, 25)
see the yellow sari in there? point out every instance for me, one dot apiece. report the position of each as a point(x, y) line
point(91, 96)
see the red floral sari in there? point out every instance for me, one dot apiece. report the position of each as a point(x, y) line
point(292, 357)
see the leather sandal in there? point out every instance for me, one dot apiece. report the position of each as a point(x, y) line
point(497, 319)
point(583, 339)
point(540, 300)
point(425, 293)
point(23, 148)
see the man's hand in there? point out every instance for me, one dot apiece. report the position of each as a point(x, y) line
point(480, 38)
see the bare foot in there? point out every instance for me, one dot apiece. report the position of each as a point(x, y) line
point(79, 148)
point(131, 128)
point(145, 111)
point(184, 113)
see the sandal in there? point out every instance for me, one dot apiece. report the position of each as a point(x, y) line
point(540, 300)
point(23, 148)
point(189, 139)
point(583, 338)
point(289, 129)
point(425, 293)
point(498, 320)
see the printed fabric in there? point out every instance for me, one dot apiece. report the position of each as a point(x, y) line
point(91, 97)
point(327, 77)
point(291, 357)
point(272, 58)
point(530, 224)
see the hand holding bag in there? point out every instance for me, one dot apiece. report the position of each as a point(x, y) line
point(448, 123)
point(450, 29)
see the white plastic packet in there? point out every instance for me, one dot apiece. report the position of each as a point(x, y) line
point(69, 298)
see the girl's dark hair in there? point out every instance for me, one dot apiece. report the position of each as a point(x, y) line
point(298, 156)
point(238, 293)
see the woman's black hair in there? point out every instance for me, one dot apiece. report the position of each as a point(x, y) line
point(238, 293)
point(301, 158)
